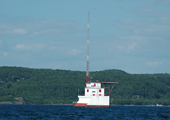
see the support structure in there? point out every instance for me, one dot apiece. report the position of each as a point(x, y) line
point(109, 86)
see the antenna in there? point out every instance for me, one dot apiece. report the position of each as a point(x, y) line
point(87, 71)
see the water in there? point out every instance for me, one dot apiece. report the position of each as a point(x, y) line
point(61, 112)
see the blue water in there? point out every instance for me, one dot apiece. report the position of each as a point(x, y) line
point(61, 112)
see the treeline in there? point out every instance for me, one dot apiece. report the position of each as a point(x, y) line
point(46, 86)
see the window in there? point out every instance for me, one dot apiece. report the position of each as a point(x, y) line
point(93, 91)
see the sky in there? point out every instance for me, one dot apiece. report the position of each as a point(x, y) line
point(129, 35)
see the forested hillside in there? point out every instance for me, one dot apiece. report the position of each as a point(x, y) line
point(46, 86)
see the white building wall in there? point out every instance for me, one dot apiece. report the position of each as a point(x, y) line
point(104, 100)
point(91, 85)
point(93, 96)
point(83, 99)
point(95, 91)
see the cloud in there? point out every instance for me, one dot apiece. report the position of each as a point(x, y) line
point(46, 27)
point(150, 12)
point(149, 36)
point(159, 2)
point(146, 10)
point(146, 28)
point(19, 31)
point(5, 53)
point(1, 43)
point(12, 29)
point(20, 47)
point(74, 52)
point(132, 38)
point(52, 48)
point(131, 46)
point(127, 47)
point(33, 47)
point(153, 64)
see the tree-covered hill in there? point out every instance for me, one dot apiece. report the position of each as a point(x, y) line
point(46, 86)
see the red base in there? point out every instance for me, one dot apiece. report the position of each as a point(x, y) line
point(85, 105)
point(80, 104)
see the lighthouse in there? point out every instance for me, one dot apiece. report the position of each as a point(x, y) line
point(94, 91)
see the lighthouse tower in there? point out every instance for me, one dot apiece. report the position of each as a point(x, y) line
point(94, 91)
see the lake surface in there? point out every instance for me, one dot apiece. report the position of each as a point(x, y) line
point(61, 112)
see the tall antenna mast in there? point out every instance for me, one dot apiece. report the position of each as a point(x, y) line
point(87, 71)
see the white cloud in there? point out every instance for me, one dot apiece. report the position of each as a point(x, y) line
point(155, 21)
point(33, 47)
point(1, 43)
point(12, 30)
point(20, 47)
point(5, 53)
point(128, 43)
point(151, 12)
point(153, 64)
point(162, 2)
point(145, 28)
point(131, 46)
point(19, 31)
point(44, 27)
point(165, 19)
point(132, 38)
point(52, 48)
point(146, 10)
point(121, 47)
point(127, 47)
point(146, 36)
point(74, 52)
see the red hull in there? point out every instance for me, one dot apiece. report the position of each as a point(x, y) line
point(85, 105)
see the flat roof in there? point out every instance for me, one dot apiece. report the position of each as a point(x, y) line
point(104, 82)
point(109, 82)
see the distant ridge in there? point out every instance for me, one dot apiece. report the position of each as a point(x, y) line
point(114, 71)
point(47, 86)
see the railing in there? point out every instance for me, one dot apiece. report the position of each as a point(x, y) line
point(81, 94)
point(106, 95)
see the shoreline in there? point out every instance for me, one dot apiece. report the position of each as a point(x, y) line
point(73, 104)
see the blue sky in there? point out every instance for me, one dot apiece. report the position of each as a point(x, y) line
point(131, 35)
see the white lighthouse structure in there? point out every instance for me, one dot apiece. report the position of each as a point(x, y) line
point(94, 95)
